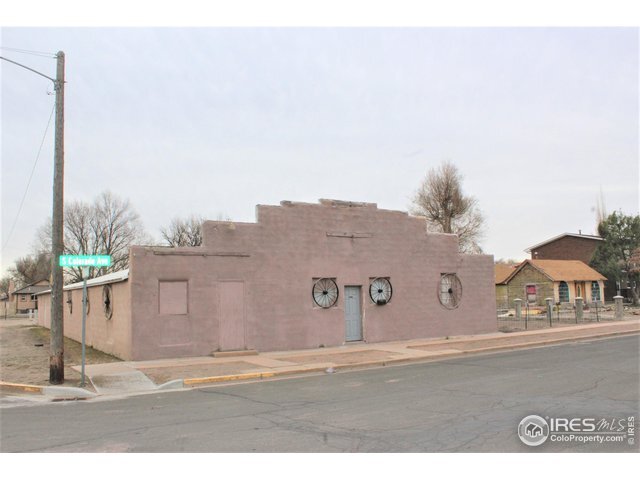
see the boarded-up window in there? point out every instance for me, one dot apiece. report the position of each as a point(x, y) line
point(172, 298)
point(532, 294)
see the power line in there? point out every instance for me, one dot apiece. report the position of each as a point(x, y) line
point(30, 52)
point(30, 177)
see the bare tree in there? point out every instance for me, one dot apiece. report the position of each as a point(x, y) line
point(600, 209)
point(31, 269)
point(183, 232)
point(5, 282)
point(507, 261)
point(79, 239)
point(108, 226)
point(116, 226)
point(42, 240)
point(447, 210)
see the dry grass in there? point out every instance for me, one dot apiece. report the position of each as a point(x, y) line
point(24, 354)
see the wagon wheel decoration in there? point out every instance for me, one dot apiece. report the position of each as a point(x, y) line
point(450, 292)
point(380, 291)
point(325, 292)
point(69, 301)
point(107, 301)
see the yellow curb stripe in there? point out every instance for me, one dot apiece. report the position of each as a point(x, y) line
point(228, 378)
point(250, 376)
point(21, 387)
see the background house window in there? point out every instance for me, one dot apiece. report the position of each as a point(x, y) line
point(595, 292)
point(172, 298)
point(563, 292)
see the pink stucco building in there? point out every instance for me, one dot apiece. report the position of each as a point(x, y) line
point(304, 275)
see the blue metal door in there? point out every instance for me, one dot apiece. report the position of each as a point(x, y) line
point(353, 318)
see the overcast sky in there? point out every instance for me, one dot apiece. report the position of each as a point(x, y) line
point(212, 121)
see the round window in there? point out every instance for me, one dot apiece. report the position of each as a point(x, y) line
point(380, 291)
point(450, 292)
point(69, 301)
point(107, 301)
point(325, 292)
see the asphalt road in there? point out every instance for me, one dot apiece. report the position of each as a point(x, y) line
point(470, 404)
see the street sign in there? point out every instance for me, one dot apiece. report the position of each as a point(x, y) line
point(85, 261)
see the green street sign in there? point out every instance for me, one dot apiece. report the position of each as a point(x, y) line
point(85, 261)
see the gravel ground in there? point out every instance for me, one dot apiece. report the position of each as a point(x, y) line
point(24, 354)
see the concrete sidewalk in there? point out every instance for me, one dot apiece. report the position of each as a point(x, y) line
point(144, 376)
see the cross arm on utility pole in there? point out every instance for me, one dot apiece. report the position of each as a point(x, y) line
point(28, 68)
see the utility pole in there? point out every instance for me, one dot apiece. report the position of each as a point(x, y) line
point(56, 351)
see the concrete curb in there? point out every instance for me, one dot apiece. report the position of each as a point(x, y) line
point(56, 393)
point(21, 387)
point(495, 348)
point(172, 385)
point(252, 376)
point(228, 378)
point(67, 393)
point(194, 382)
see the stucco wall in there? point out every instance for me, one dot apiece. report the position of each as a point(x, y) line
point(277, 259)
point(573, 291)
point(112, 336)
point(44, 310)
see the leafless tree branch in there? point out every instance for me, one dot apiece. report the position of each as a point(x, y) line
point(107, 226)
point(447, 210)
point(183, 232)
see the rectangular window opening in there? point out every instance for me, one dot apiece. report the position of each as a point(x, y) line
point(172, 297)
point(532, 294)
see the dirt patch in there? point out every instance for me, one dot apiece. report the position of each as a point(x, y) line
point(163, 375)
point(24, 354)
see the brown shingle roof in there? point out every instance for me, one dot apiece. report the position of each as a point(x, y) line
point(31, 288)
point(502, 272)
point(567, 270)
